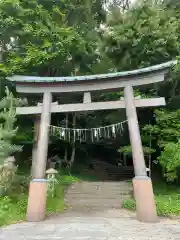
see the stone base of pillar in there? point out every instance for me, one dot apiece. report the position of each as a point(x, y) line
point(37, 200)
point(145, 204)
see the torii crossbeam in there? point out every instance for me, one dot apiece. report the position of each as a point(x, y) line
point(91, 106)
point(145, 204)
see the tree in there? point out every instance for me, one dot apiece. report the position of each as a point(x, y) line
point(170, 161)
point(7, 120)
point(144, 36)
point(48, 39)
point(7, 133)
point(166, 131)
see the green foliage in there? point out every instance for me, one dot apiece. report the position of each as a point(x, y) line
point(128, 150)
point(167, 127)
point(11, 210)
point(168, 205)
point(52, 184)
point(49, 39)
point(167, 133)
point(145, 35)
point(24, 135)
point(7, 132)
point(170, 160)
point(56, 204)
point(167, 200)
point(178, 64)
point(129, 204)
point(7, 121)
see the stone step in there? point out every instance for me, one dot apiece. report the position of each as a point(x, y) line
point(117, 171)
point(95, 205)
point(102, 200)
point(104, 182)
point(98, 208)
point(100, 185)
point(98, 190)
point(114, 187)
point(108, 173)
point(97, 196)
point(93, 209)
point(99, 193)
point(97, 199)
point(93, 200)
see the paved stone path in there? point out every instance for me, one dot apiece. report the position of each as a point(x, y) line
point(109, 225)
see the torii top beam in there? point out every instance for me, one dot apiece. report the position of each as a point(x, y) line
point(110, 81)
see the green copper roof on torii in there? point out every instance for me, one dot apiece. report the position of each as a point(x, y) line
point(147, 70)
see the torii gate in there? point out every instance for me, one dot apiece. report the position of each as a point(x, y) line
point(145, 204)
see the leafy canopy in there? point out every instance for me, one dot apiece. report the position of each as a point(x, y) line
point(143, 36)
point(48, 39)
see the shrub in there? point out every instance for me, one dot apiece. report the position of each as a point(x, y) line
point(130, 204)
point(168, 205)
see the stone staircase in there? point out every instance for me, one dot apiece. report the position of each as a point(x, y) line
point(106, 171)
point(97, 195)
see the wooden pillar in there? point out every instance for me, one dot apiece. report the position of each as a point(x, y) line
point(135, 138)
point(34, 150)
point(38, 186)
point(42, 148)
point(145, 204)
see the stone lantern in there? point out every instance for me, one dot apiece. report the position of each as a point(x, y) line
point(51, 173)
point(9, 163)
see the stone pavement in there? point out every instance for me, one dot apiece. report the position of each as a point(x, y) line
point(103, 225)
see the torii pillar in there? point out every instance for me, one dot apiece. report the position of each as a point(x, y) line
point(38, 186)
point(143, 191)
point(35, 144)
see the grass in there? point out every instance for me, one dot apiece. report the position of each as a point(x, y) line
point(13, 207)
point(167, 199)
